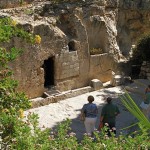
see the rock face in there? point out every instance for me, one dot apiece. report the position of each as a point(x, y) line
point(133, 21)
point(13, 3)
point(69, 31)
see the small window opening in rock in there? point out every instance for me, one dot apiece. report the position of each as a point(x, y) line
point(71, 46)
point(49, 72)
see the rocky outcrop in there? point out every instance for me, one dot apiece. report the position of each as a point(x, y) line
point(69, 31)
point(13, 3)
point(133, 21)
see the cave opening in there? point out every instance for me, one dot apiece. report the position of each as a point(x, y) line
point(49, 72)
point(135, 71)
point(72, 46)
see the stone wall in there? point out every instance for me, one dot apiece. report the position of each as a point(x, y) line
point(132, 23)
point(69, 64)
point(100, 67)
point(28, 69)
point(145, 70)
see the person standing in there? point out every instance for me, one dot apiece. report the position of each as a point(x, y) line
point(108, 115)
point(90, 110)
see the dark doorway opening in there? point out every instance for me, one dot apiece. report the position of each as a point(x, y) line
point(71, 46)
point(135, 71)
point(49, 72)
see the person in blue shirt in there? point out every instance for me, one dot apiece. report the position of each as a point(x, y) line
point(90, 110)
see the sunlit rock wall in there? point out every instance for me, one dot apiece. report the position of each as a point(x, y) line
point(69, 31)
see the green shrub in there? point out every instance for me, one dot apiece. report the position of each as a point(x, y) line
point(12, 103)
point(27, 135)
point(142, 50)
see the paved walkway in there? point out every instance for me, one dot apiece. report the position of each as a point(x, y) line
point(50, 115)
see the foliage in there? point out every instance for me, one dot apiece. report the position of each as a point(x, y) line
point(27, 135)
point(95, 51)
point(62, 138)
point(9, 30)
point(29, 11)
point(23, 133)
point(129, 103)
point(142, 50)
point(12, 103)
point(21, 2)
point(37, 39)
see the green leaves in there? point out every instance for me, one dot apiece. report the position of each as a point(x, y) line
point(142, 50)
point(135, 110)
point(6, 33)
point(9, 30)
point(12, 103)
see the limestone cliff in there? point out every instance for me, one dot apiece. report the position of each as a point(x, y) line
point(69, 31)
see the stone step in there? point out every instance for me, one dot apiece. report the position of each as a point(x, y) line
point(51, 93)
point(40, 101)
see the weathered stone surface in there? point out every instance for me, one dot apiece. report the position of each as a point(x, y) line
point(69, 64)
point(37, 102)
point(69, 31)
point(133, 21)
point(138, 4)
point(96, 84)
point(100, 67)
point(13, 3)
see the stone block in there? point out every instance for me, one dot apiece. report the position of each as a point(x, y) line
point(96, 84)
point(117, 80)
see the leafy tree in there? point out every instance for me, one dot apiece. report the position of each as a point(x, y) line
point(142, 50)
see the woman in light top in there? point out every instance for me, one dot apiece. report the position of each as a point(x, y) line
point(91, 111)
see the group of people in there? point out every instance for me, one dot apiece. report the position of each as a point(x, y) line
point(108, 113)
